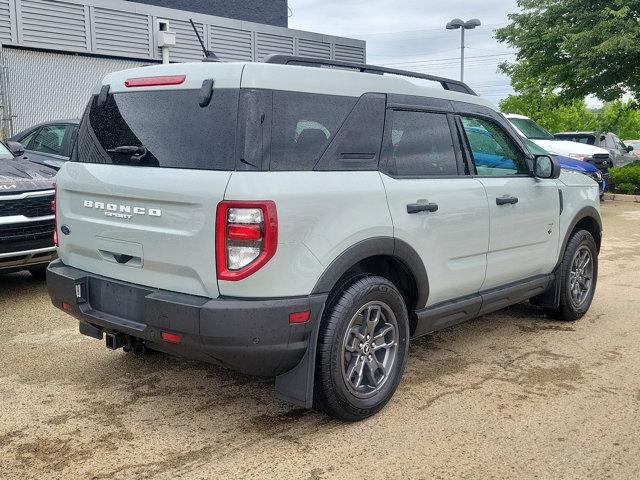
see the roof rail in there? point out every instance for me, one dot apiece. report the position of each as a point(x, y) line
point(447, 83)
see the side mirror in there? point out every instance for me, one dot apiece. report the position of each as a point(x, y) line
point(630, 148)
point(16, 148)
point(546, 167)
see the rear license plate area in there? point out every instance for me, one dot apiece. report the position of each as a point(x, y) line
point(117, 299)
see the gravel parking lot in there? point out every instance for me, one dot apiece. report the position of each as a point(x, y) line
point(509, 395)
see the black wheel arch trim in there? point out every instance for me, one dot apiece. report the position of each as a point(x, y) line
point(585, 212)
point(371, 247)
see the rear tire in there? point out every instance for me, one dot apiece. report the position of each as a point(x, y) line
point(578, 277)
point(362, 349)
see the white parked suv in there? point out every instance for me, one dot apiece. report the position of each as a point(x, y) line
point(305, 223)
point(576, 150)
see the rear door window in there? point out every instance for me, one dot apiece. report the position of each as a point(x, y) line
point(160, 129)
point(422, 144)
point(304, 124)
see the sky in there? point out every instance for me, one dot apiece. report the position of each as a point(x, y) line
point(411, 35)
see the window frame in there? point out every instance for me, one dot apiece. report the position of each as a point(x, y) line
point(387, 163)
point(527, 157)
point(31, 134)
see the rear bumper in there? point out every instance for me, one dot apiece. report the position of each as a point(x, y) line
point(250, 336)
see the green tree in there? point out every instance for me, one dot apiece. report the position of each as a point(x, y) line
point(577, 47)
point(622, 118)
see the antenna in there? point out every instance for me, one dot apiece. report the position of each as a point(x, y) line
point(209, 56)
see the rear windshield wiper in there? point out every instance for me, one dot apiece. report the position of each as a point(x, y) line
point(129, 150)
point(136, 153)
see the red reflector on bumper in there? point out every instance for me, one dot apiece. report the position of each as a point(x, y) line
point(299, 317)
point(155, 81)
point(170, 337)
point(67, 307)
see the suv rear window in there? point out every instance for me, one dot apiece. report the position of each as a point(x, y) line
point(170, 129)
point(303, 126)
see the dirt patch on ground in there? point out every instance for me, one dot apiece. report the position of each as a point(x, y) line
point(509, 395)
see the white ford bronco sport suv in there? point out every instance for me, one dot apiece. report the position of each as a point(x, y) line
point(286, 220)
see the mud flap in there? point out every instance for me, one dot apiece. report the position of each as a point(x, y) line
point(550, 298)
point(296, 385)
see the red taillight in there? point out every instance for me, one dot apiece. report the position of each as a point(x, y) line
point(55, 214)
point(246, 237)
point(155, 81)
point(170, 337)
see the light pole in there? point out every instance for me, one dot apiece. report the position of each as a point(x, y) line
point(468, 25)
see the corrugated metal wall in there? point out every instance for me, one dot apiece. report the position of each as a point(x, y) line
point(126, 29)
point(58, 87)
point(47, 86)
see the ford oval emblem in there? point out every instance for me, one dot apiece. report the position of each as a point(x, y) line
point(66, 230)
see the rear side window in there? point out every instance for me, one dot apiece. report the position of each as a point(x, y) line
point(422, 144)
point(160, 129)
point(304, 125)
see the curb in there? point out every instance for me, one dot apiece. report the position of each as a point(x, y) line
point(622, 198)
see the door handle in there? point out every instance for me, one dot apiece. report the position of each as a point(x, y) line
point(422, 207)
point(506, 200)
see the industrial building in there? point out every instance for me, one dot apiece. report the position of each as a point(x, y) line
point(53, 53)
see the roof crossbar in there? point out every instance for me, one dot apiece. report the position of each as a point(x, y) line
point(447, 83)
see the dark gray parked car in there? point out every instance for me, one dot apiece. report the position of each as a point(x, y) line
point(620, 153)
point(48, 143)
point(27, 223)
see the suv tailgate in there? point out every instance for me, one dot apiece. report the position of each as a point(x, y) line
point(150, 226)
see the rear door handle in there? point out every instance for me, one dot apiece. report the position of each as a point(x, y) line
point(422, 207)
point(506, 200)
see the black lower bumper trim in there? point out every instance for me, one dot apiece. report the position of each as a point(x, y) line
point(250, 336)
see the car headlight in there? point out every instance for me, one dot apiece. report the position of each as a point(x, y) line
point(578, 156)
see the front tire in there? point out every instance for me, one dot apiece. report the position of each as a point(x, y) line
point(362, 349)
point(578, 277)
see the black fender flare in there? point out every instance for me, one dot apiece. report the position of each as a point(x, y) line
point(584, 212)
point(372, 247)
point(296, 385)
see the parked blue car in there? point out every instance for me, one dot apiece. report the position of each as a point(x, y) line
point(569, 163)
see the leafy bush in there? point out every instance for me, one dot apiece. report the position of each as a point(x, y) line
point(627, 179)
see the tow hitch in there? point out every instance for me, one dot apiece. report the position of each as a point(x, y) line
point(115, 340)
point(128, 343)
